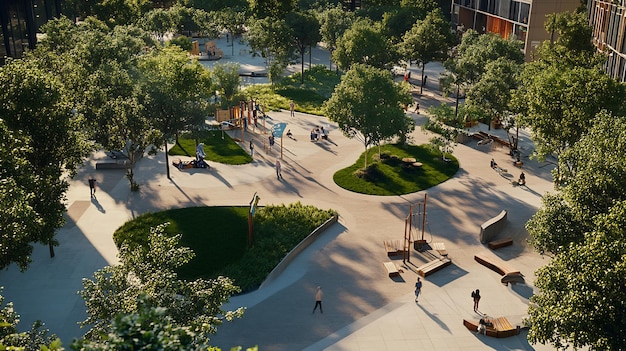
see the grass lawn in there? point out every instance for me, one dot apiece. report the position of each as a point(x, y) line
point(219, 238)
point(391, 177)
point(309, 96)
point(225, 151)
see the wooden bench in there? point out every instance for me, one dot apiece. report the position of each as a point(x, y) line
point(441, 248)
point(392, 247)
point(433, 266)
point(391, 268)
point(509, 274)
point(496, 244)
point(114, 164)
point(501, 327)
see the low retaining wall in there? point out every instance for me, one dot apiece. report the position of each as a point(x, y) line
point(299, 248)
point(492, 227)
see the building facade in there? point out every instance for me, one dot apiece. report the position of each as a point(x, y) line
point(608, 22)
point(523, 19)
point(20, 21)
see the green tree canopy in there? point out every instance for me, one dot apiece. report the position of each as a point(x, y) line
point(582, 298)
point(35, 103)
point(369, 105)
point(175, 92)
point(305, 31)
point(333, 23)
point(227, 80)
point(146, 278)
point(592, 183)
point(428, 40)
point(364, 43)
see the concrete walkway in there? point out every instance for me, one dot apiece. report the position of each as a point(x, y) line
point(364, 309)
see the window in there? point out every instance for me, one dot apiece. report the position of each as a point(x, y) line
point(524, 11)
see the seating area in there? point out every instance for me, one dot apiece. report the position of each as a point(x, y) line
point(441, 248)
point(393, 247)
point(496, 244)
point(510, 275)
point(500, 327)
point(391, 268)
point(433, 266)
point(492, 227)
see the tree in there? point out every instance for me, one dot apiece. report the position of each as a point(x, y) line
point(428, 40)
point(18, 188)
point(175, 92)
point(593, 182)
point(102, 69)
point(231, 19)
point(559, 103)
point(493, 93)
point(397, 20)
point(112, 12)
point(35, 339)
point(582, 297)
point(159, 22)
point(270, 38)
point(570, 41)
point(333, 23)
point(34, 102)
point(305, 31)
point(227, 80)
point(146, 278)
point(369, 105)
point(364, 43)
point(271, 8)
point(470, 59)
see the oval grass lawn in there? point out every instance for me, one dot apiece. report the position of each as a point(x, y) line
point(388, 175)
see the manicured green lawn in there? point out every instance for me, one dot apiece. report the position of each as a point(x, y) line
point(219, 238)
point(220, 150)
point(391, 177)
point(318, 86)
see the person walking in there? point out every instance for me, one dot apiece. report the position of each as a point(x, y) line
point(418, 288)
point(476, 298)
point(292, 108)
point(92, 187)
point(251, 149)
point(318, 299)
point(279, 174)
point(417, 108)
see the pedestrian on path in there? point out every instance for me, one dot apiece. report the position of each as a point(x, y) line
point(279, 174)
point(92, 186)
point(418, 288)
point(251, 149)
point(318, 299)
point(417, 108)
point(292, 108)
point(476, 298)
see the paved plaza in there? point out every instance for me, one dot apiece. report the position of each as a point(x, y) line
point(364, 309)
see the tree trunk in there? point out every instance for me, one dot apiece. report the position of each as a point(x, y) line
point(302, 67)
point(310, 53)
point(51, 247)
point(167, 162)
point(422, 81)
point(456, 103)
point(365, 166)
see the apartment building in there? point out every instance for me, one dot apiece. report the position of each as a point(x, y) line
point(607, 19)
point(20, 20)
point(523, 19)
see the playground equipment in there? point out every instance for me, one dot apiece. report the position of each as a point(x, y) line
point(409, 224)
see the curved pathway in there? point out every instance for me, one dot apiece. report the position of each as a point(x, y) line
point(363, 308)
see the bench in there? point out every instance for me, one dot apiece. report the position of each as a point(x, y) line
point(433, 266)
point(392, 247)
point(501, 327)
point(114, 164)
point(496, 244)
point(441, 248)
point(490, 228)
point(391, 268)
point(509, 274)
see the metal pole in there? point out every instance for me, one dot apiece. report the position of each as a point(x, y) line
point(424, 217)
